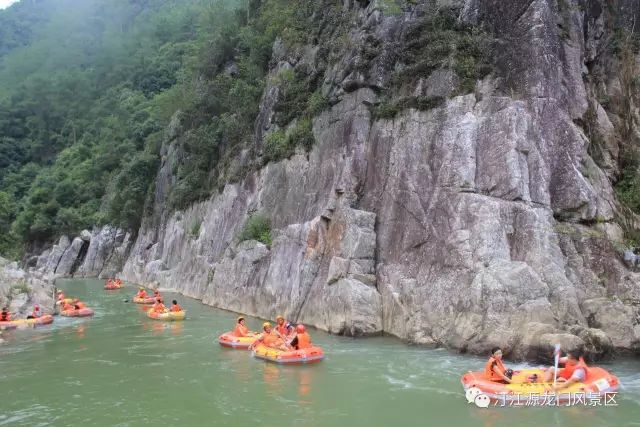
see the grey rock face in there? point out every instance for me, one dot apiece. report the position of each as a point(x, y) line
point(106, 253)
point(20, 290)
point(56, 254)
point(481, 222)
point(69, 257)
point(85, 235)
point(101, 254)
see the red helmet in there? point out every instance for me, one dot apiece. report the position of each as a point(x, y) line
point(300, 329)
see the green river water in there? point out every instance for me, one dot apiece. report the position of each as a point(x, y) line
point(120, 368)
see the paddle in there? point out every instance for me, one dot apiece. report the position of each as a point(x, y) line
point(555, 364)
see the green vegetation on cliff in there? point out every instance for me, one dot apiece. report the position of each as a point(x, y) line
point(88, 89)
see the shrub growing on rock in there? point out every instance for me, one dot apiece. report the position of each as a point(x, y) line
point(257, 227)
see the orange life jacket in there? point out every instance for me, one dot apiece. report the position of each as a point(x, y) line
point(80, 305)
point(282, 329)
point(568, 370)
point(176, 307)
point(141, 294)
point(67, 306)
point(271, 339)
point(159, 308)
point(489, 373)
point(304, 341)
point(5, 316)
point(240, 331)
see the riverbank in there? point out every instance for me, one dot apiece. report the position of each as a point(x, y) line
point(120, 368)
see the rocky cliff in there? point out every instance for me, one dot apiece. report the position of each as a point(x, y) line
point(465, 202)
point(99, 253)
point(20, 290)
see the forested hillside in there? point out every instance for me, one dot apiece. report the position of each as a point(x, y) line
point(88, 87)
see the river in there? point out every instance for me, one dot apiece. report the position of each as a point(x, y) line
point(120, 368)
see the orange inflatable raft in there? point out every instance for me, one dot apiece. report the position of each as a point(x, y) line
point(290, 357)
point(527, 383)
point(147, 300)
point(42, 320)
point(83, 312)
point(113, 285)
point(167, 315)
point(241, 343)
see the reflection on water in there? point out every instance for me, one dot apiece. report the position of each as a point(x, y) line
point(80, 331)
point(122, 368)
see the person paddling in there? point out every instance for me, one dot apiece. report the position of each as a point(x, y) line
point(5, 315)
point(302, 339)
point(495, 370)
point(36, 313)
point(575, 370)
point(175, 307)
point(269, 338)
point(283, 329)
point(159, 307)
point(241, 329)
point(141, 293)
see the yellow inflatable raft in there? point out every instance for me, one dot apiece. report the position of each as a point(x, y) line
point(12, 324)
point(291, 357)
point(241, 343)
point(527, 383)
point(147, 300)
point(167, 315)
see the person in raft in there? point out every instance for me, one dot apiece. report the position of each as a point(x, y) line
point(5, 316)
point(66, 306)
point(283, 329)
point(495, 370)
point(77, 304)
point(35, 313)
point(141, 293)
point(270, 338)
point(575, 370)
point(175, 307)
point(159, 307)
point(156, 295)
point(302, 339)
point(241, 329)
point(60, 296)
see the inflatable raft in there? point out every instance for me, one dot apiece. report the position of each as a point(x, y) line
point(167, 315)
point(12, 324)
point(83, 312)
point(241, 343)
point(147, 300)
point(290, 357)
point(527, 383)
